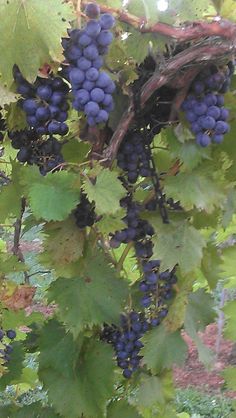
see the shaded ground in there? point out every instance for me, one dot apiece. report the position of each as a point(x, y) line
point(193, 373)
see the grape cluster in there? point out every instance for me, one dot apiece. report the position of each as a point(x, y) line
point(85, 212)
point(44, 102)
point(2, 126)
point(5, 352)
point(157, 289)
point(204, 106)
point(136, 228)
point(46, 154)
point(134, 157)
point(126, 341)
point(92, 88)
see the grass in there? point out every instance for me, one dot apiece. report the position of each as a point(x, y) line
point(193, 401)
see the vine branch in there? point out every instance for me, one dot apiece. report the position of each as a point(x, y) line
point(178, 70)
point(196, 30)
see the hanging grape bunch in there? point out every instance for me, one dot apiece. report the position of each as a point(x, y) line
point(44, 102)
point(6, 348)
point(46, 154)
point(133, 157)
point(204, 106)
point(84, 49)
point(85, 212)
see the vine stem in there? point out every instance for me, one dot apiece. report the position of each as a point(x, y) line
point(16, 241)
point(123, 257)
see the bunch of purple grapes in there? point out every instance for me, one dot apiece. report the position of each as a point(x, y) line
point(44, 102)
point(136, 228)
point(5, 352)
point(126, 341)
point(85, 212)
point(134, 157)
point(92, 88)
point(46, 154)
point(2, 126)
point(157, 288)
point(204, 106)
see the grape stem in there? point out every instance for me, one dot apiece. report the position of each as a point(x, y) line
point(16, 250)
point(121, 260)
point(180, 69)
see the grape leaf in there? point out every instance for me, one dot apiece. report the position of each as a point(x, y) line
point(199, 313)
point(78, 377)
point(14, 366)
point(64, 243)
point(177, 243)
point(54, 196)
point(106, 192)
point(228, 265)
point(163, 349)
point(155, 395)
point(10, 197)
point(95, 297)
point(143, 40)
point(6, 96)
point(111, 223)
point(75, 151)
point(230, 327)
point(122, 409)
point(35, 410)
point(229, 208)
point(194, 189)
point(229, 374)
point(33, 30)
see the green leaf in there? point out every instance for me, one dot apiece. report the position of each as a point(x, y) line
point(35, 410)
point(230, 327)
point(144, 41)
point(228, 258)
point(229, 208)
point(6, 96)
point(229, 374)
point(10, 196)
point(111, 223)
point(212, 265)
point(54, 196)
point(106, 192)
point(163, 349)
point(14, 366)
point(95, 297)
point(194, 190)
point(64, 243)
point(75, 151)
point(122, 409)
point(199, 313)
point(33, 30)
point(189, 153)
point(78, 378)
point(177, 243)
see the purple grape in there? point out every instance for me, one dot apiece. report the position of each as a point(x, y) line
point(92, 74)
point(91, 108)
point(92, 10)
point(207, 122)
point(30, 106)
point(76, 76)
point(203, 139)
point(200, 109)
point(217, 138)
point(214, 112)
point(93, 28)
point(221, 127)
point(44, 92)
point(98, 95)
point(83, 64)
point(84, 39)
point(107, 21)
point(91, 52)
point(105, 38)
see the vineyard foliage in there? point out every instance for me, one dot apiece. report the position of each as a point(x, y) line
point(117, 199)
